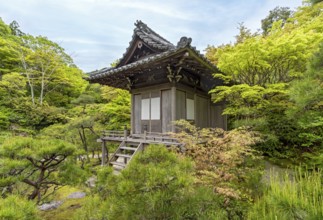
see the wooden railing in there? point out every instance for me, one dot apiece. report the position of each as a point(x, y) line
point(146, 136)
point(155, 136)
point(115, 133)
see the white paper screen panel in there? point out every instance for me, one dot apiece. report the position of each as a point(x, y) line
point(145, 110)
point(155, 108)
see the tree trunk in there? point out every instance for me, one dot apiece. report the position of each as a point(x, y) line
point(42, 87)
point(83, 139)
point(34, 194)
point(29, 78)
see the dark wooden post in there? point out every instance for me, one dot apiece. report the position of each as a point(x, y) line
point(104, 153)
point(125, 133)
point(173, 106)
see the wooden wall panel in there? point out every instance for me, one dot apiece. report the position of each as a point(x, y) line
point(217, 119)
point(202, 112)
point(137, 114)
point(155, 125)
point(166, 110)
point(180, 105)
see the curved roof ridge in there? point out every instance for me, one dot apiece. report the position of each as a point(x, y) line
point(184, 43)
point(150, 37)
point(150, 33)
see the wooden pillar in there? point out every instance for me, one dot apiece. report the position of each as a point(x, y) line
point(209, 118)
point(195, 109)
point(104, 153)
point(125, 133)
point(132, 122)
point(173, 106)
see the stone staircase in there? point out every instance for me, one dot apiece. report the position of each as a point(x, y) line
point(123, 155)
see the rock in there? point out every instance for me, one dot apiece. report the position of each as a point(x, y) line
point(277, 172)
point(76, 195)
point(50, 206)
point(91, 182)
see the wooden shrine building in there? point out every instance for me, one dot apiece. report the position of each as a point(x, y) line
point(167, 82)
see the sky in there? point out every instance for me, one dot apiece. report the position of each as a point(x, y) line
point(95, 33)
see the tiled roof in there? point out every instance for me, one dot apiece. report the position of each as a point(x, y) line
point(150, 37)
point(156, 41)
point(98, 74)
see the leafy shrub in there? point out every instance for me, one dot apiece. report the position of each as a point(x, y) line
point(157, 184)
point(226, 162)
point(16, 208)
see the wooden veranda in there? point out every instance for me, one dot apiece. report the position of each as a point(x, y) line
point(130, 144)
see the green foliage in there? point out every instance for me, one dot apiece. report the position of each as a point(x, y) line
point(307, 96)
point(269, 87)
point(157, 184)
point(244, 34)
point(298, 197)
point(4, 29)
point(71, 174)
point(116, 114)
point(226, 162)
point(273, 59)
point(315, 1)
point(4, 119)
point(43, 94)
point(90, 209)
point(152, 187)
point(14, 26)
point(48, 70)
point(9, 47)
point(17, 208)
point(33, 162)
point(277, 14)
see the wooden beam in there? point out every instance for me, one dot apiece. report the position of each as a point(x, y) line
point(104, 153)
point(173, 106)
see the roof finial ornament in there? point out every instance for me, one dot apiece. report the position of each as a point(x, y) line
point(184, 41)
point(140, 24)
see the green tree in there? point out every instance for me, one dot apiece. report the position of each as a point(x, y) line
point(13, 93)
point(157, 184)
point(277, 14)
point(9, 47)
point(49, 69)
point(259, 71)
point(116, 114)
point(36, 163)
point(14, 26)
point(307, 96)
point(244, 33)
point(315, 1)
point(4, 29)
